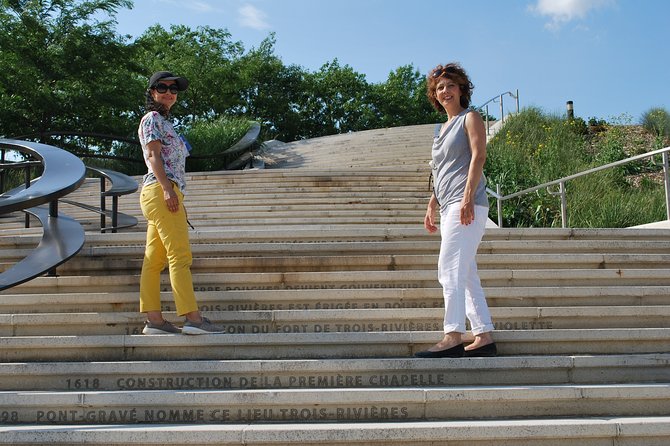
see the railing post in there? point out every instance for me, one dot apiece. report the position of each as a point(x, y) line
point(666, 180)
point(2, 171)
point(517, 101)
point(27, 185)
point(115, 213)
point(500, 219)
point(53, 213)
point(103, 219)
point(53, 208)
point(564, 205)
point(502, 114)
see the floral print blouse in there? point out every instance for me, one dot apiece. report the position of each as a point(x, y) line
point(154, 127)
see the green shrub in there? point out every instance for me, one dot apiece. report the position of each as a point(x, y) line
point(533, 148)
point(657, 121)
point(210, 139)
point(578, 126)
point(610, 148)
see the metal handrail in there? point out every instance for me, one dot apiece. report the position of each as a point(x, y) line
point(561, 183)
point(499, 98)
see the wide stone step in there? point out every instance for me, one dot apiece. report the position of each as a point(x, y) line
point(327, 175)
point(224, 216)
point(361, 298)
point(267, 200)
point(320, 405)
point(573, 431)
point(356, 280)
point(353, 220)
point(334, 373)
point(218, 262)
point(342, 320)
point(334, 256)
point(621, 240)
point(221, 213)
point(492, 254)
point(397, 344)
point(281, 178)
point(264, 196)
point(206, 251)
point(11, 238)
point(221, 298)
point(514, 252)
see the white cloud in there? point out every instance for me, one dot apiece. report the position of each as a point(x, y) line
point(252, 17)
point(199, 6)
point(561, 12)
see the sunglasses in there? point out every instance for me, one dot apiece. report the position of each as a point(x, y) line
point(441, 71)
point(163, 88)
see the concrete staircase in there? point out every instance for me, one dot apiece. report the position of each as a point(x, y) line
point(325, 280)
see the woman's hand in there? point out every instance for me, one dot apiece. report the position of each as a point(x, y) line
point(429, 219)
point(467, 212)
point(171, 199)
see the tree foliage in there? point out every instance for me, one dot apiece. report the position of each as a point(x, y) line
point(269, 92)
point(205, 56)
point(64, 68)
point(401, 100)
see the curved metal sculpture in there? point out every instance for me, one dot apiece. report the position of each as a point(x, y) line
point(62, 236)
point(52, 184)
point(247, 142)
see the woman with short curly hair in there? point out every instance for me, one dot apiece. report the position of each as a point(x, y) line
point(459, 193)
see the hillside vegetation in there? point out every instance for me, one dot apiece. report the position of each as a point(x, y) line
point(533, 148)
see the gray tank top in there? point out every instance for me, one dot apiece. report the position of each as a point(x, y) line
point(451, 156)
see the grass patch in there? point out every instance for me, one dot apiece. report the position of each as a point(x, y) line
point(534, 148)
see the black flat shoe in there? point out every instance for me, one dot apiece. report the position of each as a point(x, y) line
point(453, 352)
point(487, 350)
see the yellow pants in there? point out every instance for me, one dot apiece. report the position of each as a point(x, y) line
point(167, 243)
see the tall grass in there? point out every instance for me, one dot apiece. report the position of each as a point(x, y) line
point(533, 148)
point(601, 201)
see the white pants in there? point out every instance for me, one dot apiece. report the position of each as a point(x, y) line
point(457, 271)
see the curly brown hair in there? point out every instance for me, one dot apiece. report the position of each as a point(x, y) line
point(454, 72)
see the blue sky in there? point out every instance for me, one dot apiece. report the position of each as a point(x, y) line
point(610, 57)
